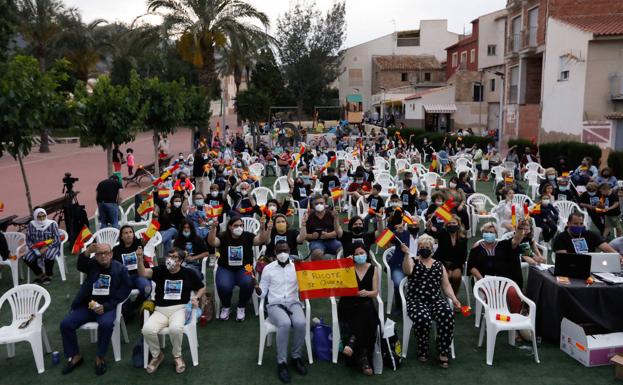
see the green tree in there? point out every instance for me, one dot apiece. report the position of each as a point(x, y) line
point(204, 27)
point(253, 104)
point(196, 108)
point(26, 105)
point(164, 109)
point(112, 114)
point(309, 50)
point(8, 26)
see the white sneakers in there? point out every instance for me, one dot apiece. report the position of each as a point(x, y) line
point(225, 312)
point(240, 314)
point(224, 316)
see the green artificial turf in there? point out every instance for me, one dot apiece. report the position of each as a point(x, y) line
point(228, 354)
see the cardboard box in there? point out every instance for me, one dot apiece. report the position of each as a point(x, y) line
point(589, 349)
point(618, 366)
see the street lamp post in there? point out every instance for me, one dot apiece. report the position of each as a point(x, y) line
point(502, 94)
point(383, 107)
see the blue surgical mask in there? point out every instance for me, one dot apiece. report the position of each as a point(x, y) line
point(576, 230)
point(591, 193)
point(199, 202)
point(563, 188)
point(360, 259)
point(489, 237)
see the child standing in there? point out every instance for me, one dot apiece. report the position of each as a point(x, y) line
point(130, 161)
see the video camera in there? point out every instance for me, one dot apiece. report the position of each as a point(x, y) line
point(68, 182)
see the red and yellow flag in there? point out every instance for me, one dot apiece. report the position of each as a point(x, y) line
point(153, 228)
point(384, 238)
point(146, 206)
point(324, 279)
point(444, 212)
point(526, 211)
point(214, 211)
point(337, 193)
point(407, 218)
point(245, 210)
point(536, 209)
point(42, 244)
point(508, 180)
point(433, 164)
point(328, 164)
point(266, 211)
point(297, 158)
point(513, 216)
point(84, 235)
point(166, 174)
point(163, 193)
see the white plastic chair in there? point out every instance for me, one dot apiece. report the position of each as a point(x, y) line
point(407, 323)
point(535, 167)
point(533, 182)
point(123, 219)
point(520, 199)
point(118, 329)
point(491, 293)
point(145, 220)
point(262, 195)
point(60, 259)
point(108, 235)
point(257, 170)
point(565, 208)
point(402, 164)
point(462, 162)
point(267, 329)
point(281, 186)
point(381, 163)
point(431, 180)
point(387, 254)
point(251, 225)
point(25, 301)
point(190, 331)
point(361, 207)
point(17, 247)
point(496, 172)
point(152, 244)
point(419, 168)
point(480, 207)
point(510, 166)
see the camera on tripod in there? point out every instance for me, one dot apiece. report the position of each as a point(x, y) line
point(68, 183)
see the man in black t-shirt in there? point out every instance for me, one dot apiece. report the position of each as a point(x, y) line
point(107, 199)
point(329, 182)
point(577, 239)
point(174, 284)
point(4, 248)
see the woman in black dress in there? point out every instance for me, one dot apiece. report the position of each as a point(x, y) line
point(425, 304)
point(358, 314)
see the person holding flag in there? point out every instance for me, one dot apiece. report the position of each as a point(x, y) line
point(43, 245)
point(507, 211)
point(427, 278)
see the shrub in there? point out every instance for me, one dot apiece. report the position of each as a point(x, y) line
point(437, 139)
point(521, 144)
point(572, 151)
point(615, 162)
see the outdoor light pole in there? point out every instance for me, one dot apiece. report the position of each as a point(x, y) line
point(502, 93)
point(382, 107)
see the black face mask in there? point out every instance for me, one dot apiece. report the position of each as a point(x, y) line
point(357, 229)
point(452, 229)
point(413, 230)
point(425, 253)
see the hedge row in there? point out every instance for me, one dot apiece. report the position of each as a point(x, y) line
point(406, 132)
point(437, 138)
point(615, 162)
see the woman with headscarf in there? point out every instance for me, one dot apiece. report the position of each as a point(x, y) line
point(43, 242)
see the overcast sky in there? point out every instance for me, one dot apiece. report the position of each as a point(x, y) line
point(366, 19)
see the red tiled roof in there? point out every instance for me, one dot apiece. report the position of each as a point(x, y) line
point(600, 25)
point(420, 94)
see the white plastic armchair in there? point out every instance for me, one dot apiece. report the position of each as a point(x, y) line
point(108, 235)
point(387, 254)
point(262, 195)
point(281, 186)
point(407, 323)
point(257, 170)
point(150, 248)
point(533, 179)
point(520, 199)
point(60, 259)
point(402, 164)
point(565, 208)
point(419, 169)
point(381, 164)
point(130, 213)
point(480, 207)
point(267, 329)
point(17, 248)
point(496, 173)
point(118, 330)
point(25, 302)
point(123, 218)
point(491, 292)
point(251, 225)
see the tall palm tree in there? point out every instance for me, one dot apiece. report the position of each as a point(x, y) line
point(204, 27)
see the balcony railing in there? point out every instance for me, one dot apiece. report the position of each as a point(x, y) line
point(516, 42)
point(531, 34)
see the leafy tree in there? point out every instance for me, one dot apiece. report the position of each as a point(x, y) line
point(8, 26)
point(204, 27)
point(112, 114)
point(164, 109)
point(196, 107)
point(26, 104)
point(308, 44)
point(253, 104)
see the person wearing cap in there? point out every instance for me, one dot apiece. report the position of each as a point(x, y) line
point(279, 288)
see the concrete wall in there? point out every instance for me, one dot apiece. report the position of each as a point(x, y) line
point(605, 57)
point(414, 109)
point(470, 114)
point(392, 79)
point(563, 101)
point(434, 37)
point(491, 32)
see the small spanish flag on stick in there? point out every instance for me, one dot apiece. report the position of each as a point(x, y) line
point(327, 165)
point(406, 218)
point(433, 164)
point(337, 193)
point(43, 244)
point(84, 235)
point(513, 216)
point(166, 174)
point(384, 238)
point(146, 206)
point(214, 211)
point(444, 212)
point(297, 158)
point(153, 228)
point(163, 193)
point(266, 211)
point(526, 211)
point(536, 209)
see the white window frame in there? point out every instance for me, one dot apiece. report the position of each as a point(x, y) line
point(463, 55)
point(472, 56)
point(455, 59)
point(564, 70)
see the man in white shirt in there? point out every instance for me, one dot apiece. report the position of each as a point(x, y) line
point(280, 288)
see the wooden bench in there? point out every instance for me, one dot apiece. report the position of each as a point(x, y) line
point(53, 208)
point(6, 221)
point(145, 172)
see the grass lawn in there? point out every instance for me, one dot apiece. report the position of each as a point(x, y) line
point(228, 354)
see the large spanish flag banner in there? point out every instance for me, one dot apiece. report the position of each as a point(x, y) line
point(324, 279)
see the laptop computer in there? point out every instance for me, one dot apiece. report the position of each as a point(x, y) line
point(605, 262)
point(572, 265)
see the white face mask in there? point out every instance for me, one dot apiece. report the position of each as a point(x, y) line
point(170, 263)
point(283, 257)
point(214, 194)
point(545, 202)
point(177, 205)
point(237, 231)
point(319, 207)
point(452, 185)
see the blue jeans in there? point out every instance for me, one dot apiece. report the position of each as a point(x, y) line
point(143, 285)
point(108, 214)
point(366, 222)
point(79, 317)
point(328, 246)
point(226, 280)
point(168, 236)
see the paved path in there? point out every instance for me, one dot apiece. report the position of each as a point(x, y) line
point(45, 171)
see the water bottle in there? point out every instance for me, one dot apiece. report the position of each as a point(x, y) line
point(188, 313)
point(56, 358)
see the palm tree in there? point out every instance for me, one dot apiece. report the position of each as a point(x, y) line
point(205, 27)
point(39, 26)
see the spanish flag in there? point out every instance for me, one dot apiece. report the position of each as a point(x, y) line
point(245, 210)
point(433, 164)
point(444, 212)
point(337, 193)
point(146, 206)
point(384, 238)
point(407, 219)
point(508, 180)
point(325, 279)
point(536, 209)
point(402, 141)
point(42, 244)
point(526, 211)
point(153, 228)
point(1, 206)
point(448, 168)
point(327, 165)
point(166, 174)
point(297, 158)
point(371, 211)
point(84, 235)
point(413, 190)
point(214, 211)
point(266, 211)
point(513, 216)
point(163, 193)
point(565, 174)
point(207, 167)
